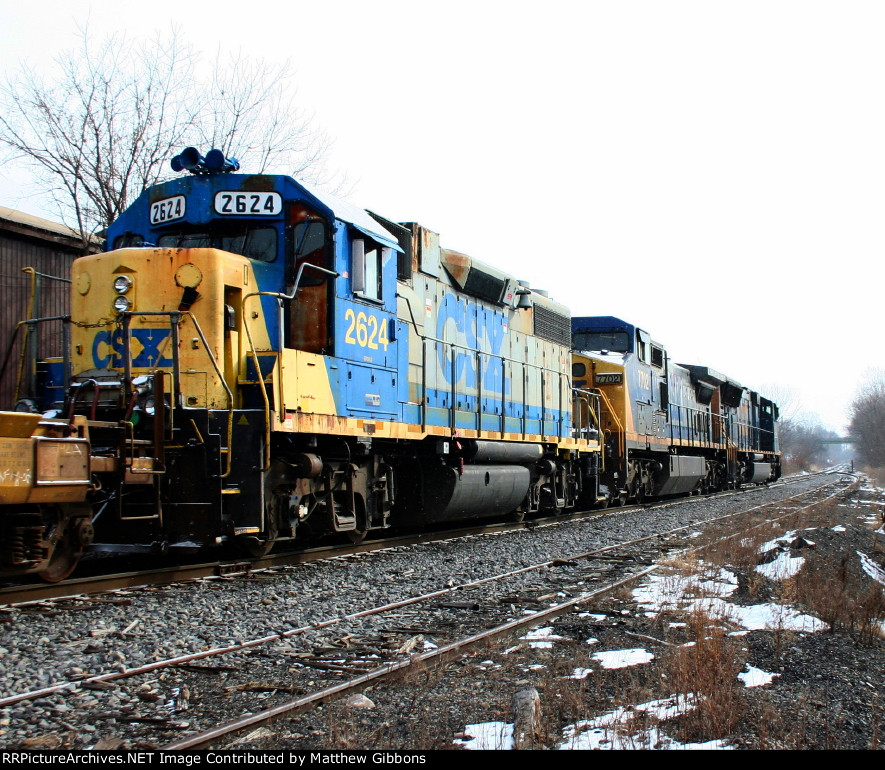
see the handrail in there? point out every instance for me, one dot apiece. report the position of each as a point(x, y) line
point(526, 368)
point(582, 396)
point(66, 319)
point(263, 389)
point(622, 433)
point(280, 296)
point(32, 307)
point(175, 317)
point(476, 354)
point(230, 396)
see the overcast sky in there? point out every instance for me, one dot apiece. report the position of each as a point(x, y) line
point(713, 172)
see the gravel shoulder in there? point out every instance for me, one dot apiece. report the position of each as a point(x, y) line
point(825, 694)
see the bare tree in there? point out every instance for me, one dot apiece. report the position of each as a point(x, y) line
point(801, 435)
point(804, 442)
point(787, 400)
point(103, 129)
point(253, 116)
point(868, 420)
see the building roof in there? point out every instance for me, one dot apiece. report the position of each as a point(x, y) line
point(31, 226)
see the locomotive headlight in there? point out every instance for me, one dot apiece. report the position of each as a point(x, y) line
point(122, 284)
point(122, 304)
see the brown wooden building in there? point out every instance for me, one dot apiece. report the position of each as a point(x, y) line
point(48, 248)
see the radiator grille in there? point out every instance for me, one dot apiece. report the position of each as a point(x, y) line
point(553, 326)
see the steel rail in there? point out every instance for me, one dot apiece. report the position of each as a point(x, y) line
point(447, 652)
point(441, 655)
point(18, 595)
point(279, 636)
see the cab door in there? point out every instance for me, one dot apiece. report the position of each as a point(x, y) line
point(307, 317)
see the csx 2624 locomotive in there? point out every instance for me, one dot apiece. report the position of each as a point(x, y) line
point(253, 359)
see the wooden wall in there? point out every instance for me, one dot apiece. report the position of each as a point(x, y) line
point(50, 249)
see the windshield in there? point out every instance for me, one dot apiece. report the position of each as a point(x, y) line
point(252, 241)
point(617, 341)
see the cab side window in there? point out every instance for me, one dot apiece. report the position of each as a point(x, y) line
point(367, 262)
point(309, 244)
point(128, 239)
point(657, 357)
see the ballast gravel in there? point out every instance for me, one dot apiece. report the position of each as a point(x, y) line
point(54, 643)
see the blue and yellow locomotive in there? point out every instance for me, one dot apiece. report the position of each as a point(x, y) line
point(253, 359)
point(670, 428)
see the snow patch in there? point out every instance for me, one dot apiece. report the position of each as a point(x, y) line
point(541, 638)
point(871, 568)
point(487, 736)
point(613, 731)
point(623, 658)
point(581, 673)
point(756, 677)
point(783, 567)
point(691, 596)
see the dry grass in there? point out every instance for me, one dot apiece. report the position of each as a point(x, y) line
point(700, 661)
point(707, 671)
point(877, 475)
point(841, 595)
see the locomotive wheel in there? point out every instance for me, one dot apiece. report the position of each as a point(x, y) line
point(69, 528)
point(356, 536)
point(69, 544)
point(256, 547)
point(63, 562)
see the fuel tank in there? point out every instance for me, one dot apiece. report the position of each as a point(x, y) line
point(443, 493)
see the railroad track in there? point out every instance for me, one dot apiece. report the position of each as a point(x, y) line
point(295, 669)
point(12, 595)
point(621, 564)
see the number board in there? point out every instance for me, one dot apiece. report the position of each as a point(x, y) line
point(167, 210)
point(608, 378)
point(366, 330)
point(248, 204)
